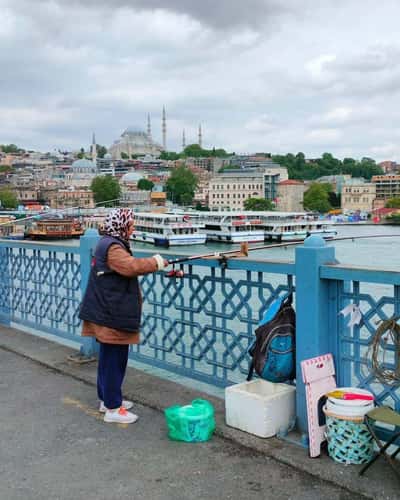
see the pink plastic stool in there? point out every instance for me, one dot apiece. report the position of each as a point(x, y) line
point(319, 378)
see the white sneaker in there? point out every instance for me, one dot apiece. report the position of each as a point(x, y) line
point(125, 404)
point(120, 416)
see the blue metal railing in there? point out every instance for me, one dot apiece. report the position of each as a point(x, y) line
point(200, 326)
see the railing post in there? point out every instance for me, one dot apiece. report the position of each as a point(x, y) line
point(88, 243)
point(312, 313)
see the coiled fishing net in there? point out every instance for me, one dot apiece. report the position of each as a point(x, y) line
point(385, 352)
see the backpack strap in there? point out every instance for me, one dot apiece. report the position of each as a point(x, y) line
point(251, 370)
point(288, 299)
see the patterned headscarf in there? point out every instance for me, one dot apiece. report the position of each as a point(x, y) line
point(117, 223)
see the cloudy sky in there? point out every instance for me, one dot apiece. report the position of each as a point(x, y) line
point(259, 75)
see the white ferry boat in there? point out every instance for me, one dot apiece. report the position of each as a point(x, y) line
point(290, 230)
point(232, 227)
point(163, 229)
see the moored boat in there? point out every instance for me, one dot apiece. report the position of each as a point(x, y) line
point(55, 229)
point(292, 230)
point(232, 227)
point(163, 229)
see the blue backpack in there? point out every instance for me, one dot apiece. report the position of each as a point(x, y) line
point(273, 351)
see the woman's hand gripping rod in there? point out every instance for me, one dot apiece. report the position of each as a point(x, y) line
point(221, 256)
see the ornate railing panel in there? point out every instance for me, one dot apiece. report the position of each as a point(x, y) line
point(377, 295)
point(40, 287)
point(201, 325)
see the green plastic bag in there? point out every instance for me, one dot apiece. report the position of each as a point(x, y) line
point(191, 423)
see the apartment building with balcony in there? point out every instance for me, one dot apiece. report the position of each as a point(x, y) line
point(387, 186)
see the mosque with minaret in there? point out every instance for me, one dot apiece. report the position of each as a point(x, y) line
point(135, 141)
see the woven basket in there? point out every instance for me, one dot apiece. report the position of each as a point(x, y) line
point(349, 440)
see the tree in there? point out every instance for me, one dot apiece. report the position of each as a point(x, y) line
point(258, 204)
point(334, 199)
point(316, 198)
point(195, 151)
point(81, 154)
point(169, 155)
point(101, 150)
point(201, 208)
point(6, 169)
point(11, 148)
point(393, 203)
point(105, 188)
point(181, 185)
point(145, 185)
point(393, 219)
point(8, 199)
point(124, 156)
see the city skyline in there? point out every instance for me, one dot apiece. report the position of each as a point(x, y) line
point(268, 76)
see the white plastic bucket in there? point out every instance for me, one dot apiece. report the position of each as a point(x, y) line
point(350, 408)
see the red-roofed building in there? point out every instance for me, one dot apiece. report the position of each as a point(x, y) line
point(290, 196)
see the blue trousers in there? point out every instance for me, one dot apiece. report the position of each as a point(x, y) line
point(113, 359)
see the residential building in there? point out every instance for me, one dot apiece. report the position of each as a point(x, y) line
point(72, 197)
point(26, 194)
point(272, 177)
point(336, 181)
point(231, 188)
point(387, 186)
point(158, 198)
point(389, 166)
point(105, 165)
point(290, 196)
point(253, 161)
point(203, 186)
point(358, 197)
point(132, 198)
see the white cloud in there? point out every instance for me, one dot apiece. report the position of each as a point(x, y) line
point(339, 114)
point(318, 67)
point(324, 135)
point(272, 75)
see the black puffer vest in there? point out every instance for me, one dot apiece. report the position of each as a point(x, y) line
point(111, 299)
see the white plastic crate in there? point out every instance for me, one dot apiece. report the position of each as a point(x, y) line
point(261, 408)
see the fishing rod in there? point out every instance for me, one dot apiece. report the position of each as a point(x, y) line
point(244, 250)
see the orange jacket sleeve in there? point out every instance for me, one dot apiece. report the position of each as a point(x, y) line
point(122, 263)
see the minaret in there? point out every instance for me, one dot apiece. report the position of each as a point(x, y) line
point(149, 127)
point(200, 136)
point(93, 149)
point(183, 140)
point(164, 129)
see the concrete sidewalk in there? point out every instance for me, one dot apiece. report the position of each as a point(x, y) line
point(240, 468)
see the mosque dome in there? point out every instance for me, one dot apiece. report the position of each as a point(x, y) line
point(134, 141)
point(134, 131)
point(83, 164)
point(131, 177)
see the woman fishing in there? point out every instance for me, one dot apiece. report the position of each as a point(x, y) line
point(111, 309)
